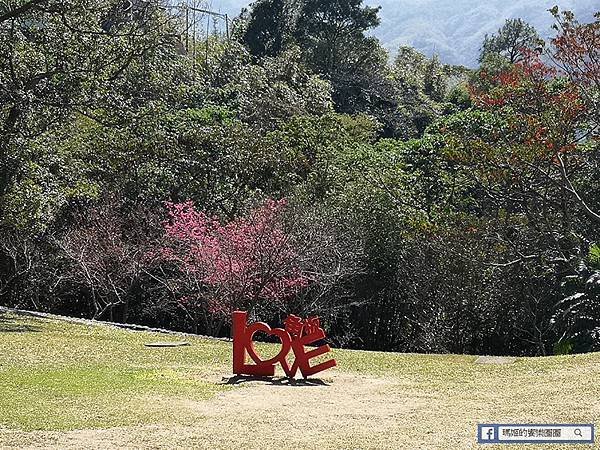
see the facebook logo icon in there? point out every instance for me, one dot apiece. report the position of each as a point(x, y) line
point(487, 434)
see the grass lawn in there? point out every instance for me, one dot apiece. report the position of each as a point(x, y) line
point(88, 386)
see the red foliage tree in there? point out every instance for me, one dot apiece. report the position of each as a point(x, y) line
point(576, 52)
point(547, 114)
point(543, 112)
point(577, 48)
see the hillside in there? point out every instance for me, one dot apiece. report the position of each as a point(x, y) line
point(452, 29)
point(73, 385)
point(455, 30)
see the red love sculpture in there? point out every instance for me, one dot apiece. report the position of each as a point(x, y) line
point(296, 335)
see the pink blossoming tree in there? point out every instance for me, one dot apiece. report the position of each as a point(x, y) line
point(247, 262)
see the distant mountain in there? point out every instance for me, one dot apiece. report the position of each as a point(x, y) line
point(453, 29)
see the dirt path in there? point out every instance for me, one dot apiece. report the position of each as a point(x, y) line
point(346, 412)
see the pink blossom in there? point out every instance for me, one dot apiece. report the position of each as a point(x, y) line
point(245, 261)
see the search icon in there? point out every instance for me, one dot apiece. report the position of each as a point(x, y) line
point(578, 432)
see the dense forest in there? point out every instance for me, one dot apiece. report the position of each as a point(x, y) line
point(290, 164)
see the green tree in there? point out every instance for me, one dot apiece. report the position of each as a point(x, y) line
point(434, 80)
point(421, 86)
point(60, 61)
point(272, 90)
point(510, 40)
point(266, 28)
point(332, 33)
point(332, 36)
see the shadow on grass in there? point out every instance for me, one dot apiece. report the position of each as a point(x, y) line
point(275, 381)
point(9, 325)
